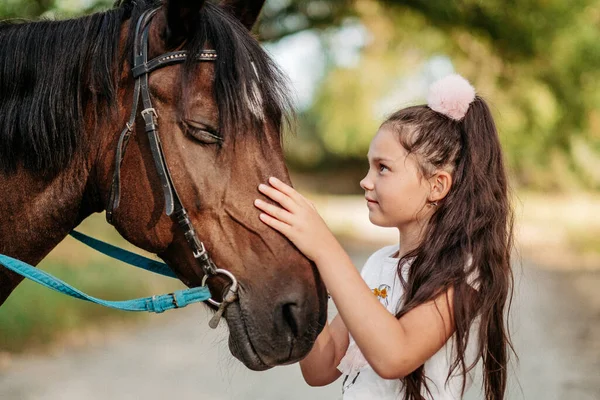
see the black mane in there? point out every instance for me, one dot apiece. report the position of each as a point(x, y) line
point(51, 72)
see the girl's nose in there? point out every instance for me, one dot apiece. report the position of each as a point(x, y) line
point(366, 183)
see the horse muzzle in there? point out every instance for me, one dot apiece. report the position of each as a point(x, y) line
point(277, 333)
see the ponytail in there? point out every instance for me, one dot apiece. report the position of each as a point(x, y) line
point(468, 241)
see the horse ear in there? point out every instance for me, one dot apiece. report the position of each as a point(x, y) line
point(181, 18)
point(246, 11)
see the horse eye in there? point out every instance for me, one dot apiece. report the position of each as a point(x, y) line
point(202, 133)
point(205, 136)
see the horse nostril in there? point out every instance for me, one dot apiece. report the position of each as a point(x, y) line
point(290, 311)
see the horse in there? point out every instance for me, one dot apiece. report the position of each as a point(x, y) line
point(65, 95)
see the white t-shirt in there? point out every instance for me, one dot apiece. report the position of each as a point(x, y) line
point(361, 382)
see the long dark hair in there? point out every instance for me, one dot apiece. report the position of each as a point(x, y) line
point(469, 236)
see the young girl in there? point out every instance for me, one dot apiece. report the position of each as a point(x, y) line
point(426, 310)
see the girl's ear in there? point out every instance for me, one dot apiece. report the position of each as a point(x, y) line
point(440, 184)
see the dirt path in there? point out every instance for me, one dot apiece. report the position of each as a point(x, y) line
point(556, 334)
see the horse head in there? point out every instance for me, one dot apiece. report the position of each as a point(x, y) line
point(220, 130)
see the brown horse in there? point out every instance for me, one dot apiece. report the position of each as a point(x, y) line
point(66, 90)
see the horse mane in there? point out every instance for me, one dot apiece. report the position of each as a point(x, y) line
point(52, 71)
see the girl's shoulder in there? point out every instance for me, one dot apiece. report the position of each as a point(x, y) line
point(385, 253)
point(381, 257)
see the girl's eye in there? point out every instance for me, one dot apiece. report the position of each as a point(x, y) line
point(383, 168)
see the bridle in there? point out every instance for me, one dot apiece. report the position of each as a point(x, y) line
point(174, 207)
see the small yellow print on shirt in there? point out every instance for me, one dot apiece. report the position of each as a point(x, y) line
point(382, 294)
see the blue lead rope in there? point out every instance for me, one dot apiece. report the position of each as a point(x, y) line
point(123, 255)
point(157, 304)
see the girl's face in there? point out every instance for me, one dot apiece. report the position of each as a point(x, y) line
point(395, 190)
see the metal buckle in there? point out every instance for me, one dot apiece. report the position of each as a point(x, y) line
point(233, 288)
point(201, 253)
point(174, 300)
point(148, 111)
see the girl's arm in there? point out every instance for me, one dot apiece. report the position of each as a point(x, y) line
point(393, 347)
point(319, 368)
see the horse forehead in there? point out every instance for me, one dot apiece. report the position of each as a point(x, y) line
point(204, 76)
point(195, 92)
point(250, 90)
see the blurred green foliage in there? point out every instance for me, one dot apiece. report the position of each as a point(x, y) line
point(535, 61)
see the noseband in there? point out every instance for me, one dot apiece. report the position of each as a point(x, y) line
point(174, 207)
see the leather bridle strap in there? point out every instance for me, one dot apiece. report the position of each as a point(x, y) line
point(115, 193)
point(141, 70)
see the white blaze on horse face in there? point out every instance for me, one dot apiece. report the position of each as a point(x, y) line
point(254, 98)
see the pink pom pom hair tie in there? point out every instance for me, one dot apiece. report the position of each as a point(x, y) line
point(451, 96)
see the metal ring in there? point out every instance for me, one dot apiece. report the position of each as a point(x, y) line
point(233, 288)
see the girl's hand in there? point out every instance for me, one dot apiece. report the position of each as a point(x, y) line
point(297, 219)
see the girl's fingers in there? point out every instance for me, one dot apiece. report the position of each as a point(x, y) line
point(277, 196)
point(275, 224)
point(274, 211)
point(284, 188)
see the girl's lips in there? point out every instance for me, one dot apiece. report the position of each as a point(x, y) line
point(370, 200)
point(371, 203)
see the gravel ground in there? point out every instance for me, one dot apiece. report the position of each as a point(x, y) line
point(556, 327)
